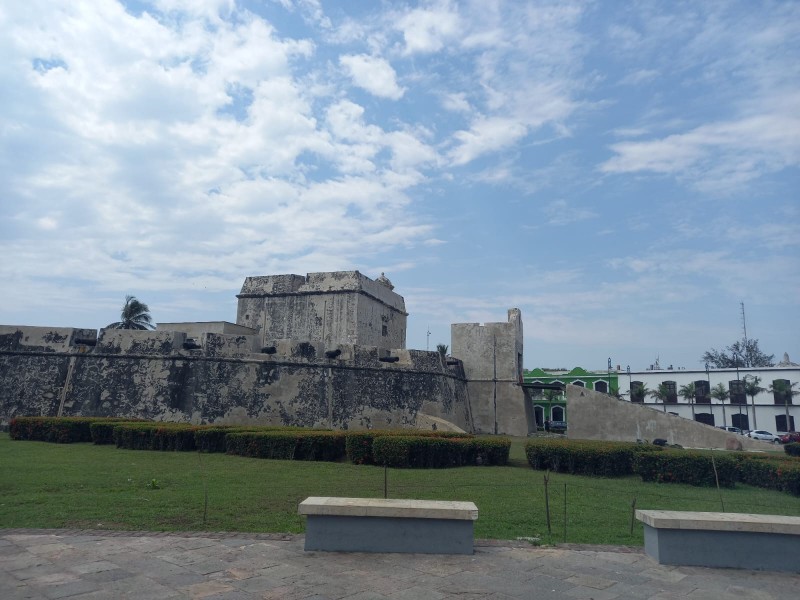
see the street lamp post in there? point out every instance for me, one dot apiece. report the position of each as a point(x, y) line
point(708, 381)
point(630, 383)
point(609, 375)
point(739, 389)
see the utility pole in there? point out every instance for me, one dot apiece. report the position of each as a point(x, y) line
point(428, 339)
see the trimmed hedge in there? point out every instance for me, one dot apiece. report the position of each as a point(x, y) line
point(689, 466)
point(433, 452)
point(288, 444)
point(60, 430)
point(792, 449)
point(155, 436)
point(584, 457)
point(359, 443)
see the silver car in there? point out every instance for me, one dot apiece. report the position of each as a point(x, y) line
point(760, 434)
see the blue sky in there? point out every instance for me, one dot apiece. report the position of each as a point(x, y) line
point(626, 173)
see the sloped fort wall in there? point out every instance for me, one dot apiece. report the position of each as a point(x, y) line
point(219, 378)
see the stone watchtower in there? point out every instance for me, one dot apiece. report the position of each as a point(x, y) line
point(343, 307)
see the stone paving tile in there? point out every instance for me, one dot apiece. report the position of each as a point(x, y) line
point(91, 566)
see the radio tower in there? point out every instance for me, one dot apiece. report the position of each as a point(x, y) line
point(744, 325)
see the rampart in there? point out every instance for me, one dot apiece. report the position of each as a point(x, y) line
point(222, 378)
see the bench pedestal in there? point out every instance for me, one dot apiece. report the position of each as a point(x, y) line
point(377, 525)
point(730, 540)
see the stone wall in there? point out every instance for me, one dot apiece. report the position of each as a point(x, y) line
point(343, 307)
point(492, 358)
point(595, 416)
point(223, 379)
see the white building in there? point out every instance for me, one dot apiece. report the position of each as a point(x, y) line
point(766, 410)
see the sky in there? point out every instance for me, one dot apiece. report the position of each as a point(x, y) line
point(625, 173)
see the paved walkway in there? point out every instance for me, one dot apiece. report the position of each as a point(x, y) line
point(145, 565)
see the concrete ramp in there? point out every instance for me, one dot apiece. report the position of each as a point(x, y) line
point(596, 416)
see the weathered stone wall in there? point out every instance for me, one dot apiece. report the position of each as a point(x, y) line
point(492, 358)
point(344, 307)
point(152, 375)
point(595, 416)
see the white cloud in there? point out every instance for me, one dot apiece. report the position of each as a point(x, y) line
point(427, 30)
point(373, 74)
point(486, 135)
point(559, 212)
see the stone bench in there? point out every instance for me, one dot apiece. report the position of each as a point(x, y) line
point(379, 525)
point(710, 539)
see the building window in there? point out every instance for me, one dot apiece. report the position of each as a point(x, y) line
point(706, 418)
point(601, 386)
point(702, 393)
point(672, 391)
point(637, 391)
point(741, 421)
point(780, 423)
point(579, 383)
point(538, 412)
point(384, 330)
point(736, 389)
point(558, 413)
point(782, 391)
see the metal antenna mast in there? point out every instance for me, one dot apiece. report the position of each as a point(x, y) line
point(744, 325)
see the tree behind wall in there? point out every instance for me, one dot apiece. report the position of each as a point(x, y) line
point(134, 315)
point(742, 354)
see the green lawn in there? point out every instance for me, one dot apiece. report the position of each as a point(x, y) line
point(102, 487)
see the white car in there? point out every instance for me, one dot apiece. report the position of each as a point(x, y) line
point(760, 434)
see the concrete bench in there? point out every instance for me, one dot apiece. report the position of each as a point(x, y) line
point(709, 539)
point(379, 525)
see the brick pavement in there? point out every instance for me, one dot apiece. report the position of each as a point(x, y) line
point(50, 564)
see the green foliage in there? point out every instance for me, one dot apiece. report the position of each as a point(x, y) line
point(687, 466)
point(358, 447)
point(584, 457)
point(212, 439)
point(437, 452)
point(61, 430)
point(743, 353)
point(792, 449)
point(155, 436)
point(288, 444)
point(134, 315)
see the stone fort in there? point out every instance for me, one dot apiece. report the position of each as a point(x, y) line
point(320, 350)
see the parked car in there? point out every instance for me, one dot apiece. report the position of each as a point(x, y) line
point(558, 426)
point(792, 436)
point(760, 434)
point(731, 429)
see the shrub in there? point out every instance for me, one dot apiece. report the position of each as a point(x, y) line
point(212, 439)
point(155, 436)
point(436, 452)
point(792, 449)
point(584, 457)
point(358, 447)
point(286, 444)
point(487, 451)
point(61, 430)
point(685, 466)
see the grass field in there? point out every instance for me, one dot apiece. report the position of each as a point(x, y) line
point(102, 487)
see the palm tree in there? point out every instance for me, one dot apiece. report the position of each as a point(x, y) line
point(442, 350)
point(779, 387)
point(135, 315)
point(721, 393)
point(660, 393)
point(617, 393)
point(688, 392)
point(752, 389)
point(639, 393)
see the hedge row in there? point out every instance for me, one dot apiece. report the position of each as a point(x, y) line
point(427, 452)
point(60, 430)
point(359, 443)
point(288, 445)
point(651, 463)
point(792, 449)
point(579, 457)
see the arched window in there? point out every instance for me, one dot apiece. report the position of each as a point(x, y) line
point(538, 412)
point(702, 392)
point(706, 418)
point(601, 386)
point(558, 413)
point(579, 383)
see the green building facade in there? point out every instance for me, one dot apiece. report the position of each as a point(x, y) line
point(551, 404)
